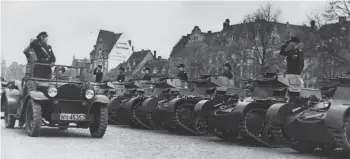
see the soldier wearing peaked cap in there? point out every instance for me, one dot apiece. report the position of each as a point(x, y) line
point(227, 71)
point(98, 73)
point(121, 76)
point(147, 75)
point(295, 57)
point(182, 75)
point(44, 54)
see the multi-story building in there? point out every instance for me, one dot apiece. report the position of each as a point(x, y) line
point(205, 52)
point(110, 50)
point(158, 67)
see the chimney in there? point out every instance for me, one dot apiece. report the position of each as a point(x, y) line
point(342, 20)
point(209, 31)
point(287, 24)
point(226, 23)
point(159, 57)
point(155, 54)
point(129, 42)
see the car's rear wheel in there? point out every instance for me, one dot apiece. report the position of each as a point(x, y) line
point(9, 120)
point(99, 125)
point(33, 118)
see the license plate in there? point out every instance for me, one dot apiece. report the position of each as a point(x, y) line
point(74, 117)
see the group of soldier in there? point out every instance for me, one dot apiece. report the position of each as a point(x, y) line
point(44, 54)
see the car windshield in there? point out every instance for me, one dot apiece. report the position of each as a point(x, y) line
point(58, 72)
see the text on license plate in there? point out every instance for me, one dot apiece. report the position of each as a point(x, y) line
point(75, 117)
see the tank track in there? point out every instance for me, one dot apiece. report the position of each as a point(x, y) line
point(178, 124)
point(248, 135)
point(135, 120)
point(150, 120)
point(341, 140)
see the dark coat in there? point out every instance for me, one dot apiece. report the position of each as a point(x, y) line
point(98, 74)
point(228, 74)
point(182, 75)
point(294, 66)
point(147, 77)
point(121, 78)
point(43, 52)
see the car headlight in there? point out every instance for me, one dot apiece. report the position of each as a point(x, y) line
point(327, 103)
point(52, 92)
point(186, 87)
point(89, 94)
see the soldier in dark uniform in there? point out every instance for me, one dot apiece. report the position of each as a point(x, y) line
point(98, 73)
point(147, 76)
point(44, 54)
point(59, 73)
point(295, 57)
point(182, 75)
point(227, 71)
point(121, 76)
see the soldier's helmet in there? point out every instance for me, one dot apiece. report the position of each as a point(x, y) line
point(181, 66)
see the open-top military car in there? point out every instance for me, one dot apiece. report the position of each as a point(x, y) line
point(316, 126)
point(246, 119)
point(42, 100)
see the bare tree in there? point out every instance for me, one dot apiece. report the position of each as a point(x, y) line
point(260, 27)
point(337, 8)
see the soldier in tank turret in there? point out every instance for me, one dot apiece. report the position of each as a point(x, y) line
point(121, 75)
point(147, 76)
point(227, 71)
point(182, 75)
point(295, 57)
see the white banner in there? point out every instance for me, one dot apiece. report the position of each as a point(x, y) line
point(120, 52)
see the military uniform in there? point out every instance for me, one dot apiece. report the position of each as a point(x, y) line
point(121, 76)
point(44, 54)
point(227, 73)
point(147, 76)
point(98, 74)
point(182, 75)
point(294, 65)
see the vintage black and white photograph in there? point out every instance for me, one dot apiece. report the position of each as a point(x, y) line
point(175, 79)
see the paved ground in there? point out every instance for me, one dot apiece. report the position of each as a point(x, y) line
point(123, 142)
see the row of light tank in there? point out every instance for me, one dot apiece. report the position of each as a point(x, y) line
point(277, 111)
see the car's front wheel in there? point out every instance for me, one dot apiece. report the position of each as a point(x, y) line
point(33, 118)
point(99, 125)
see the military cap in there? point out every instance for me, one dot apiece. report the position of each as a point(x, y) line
point(146, 68)
point(227, 65)
point(42, 34)
point(60, 68)
point(181, 66)
point(295, 39)
point(122, 68)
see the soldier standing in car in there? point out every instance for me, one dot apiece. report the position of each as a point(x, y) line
point(182, 75)
point(44, 54)
point(121, 75)
point(147, 76)
point(295, 57)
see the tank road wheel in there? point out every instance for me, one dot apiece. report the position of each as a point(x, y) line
point(33, 118)
point(303, 146)
point(268, 135)
point(200, 125)
point(342, 136)
point(184, 115)
point(9, 120)
point(99, 125)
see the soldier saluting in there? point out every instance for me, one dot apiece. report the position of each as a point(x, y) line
point(147, 76)
point(182, 75)
point(227, 71)
point(42, 50)
point(295, 57)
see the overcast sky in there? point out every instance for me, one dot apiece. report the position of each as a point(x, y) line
point(73, 26)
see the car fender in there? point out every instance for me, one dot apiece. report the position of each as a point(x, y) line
point(204, 108)
point(173, 104)
point(278, 112)
point(242, 107)
point(335, 116)
point(99, 98)
point(37, 96)
point(150, 105)
point(11, 99)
